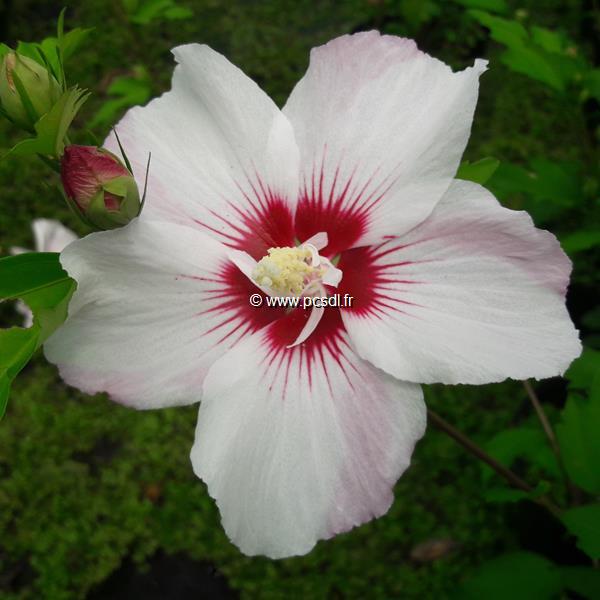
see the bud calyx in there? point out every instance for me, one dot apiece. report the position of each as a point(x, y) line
point(27, 90)
point(99, 187)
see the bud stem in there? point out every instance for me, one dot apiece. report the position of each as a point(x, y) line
point(53, 163)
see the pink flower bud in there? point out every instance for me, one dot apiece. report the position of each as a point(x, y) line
point(99, 187)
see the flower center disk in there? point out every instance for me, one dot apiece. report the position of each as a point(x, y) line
point(297, 272)
point(288, 271)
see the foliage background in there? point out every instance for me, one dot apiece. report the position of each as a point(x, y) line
point(99, 501)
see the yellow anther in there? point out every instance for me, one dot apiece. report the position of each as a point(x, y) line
point(286, 271)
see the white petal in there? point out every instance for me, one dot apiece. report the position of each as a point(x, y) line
point(14, 250)
point(300, 444)
point(24, 310)
point(318, 240)
point(381, 128)
point(224, 157)
point(332, 275)
point(243, 261)
point(475, 294)
point(51, 235)
point(246, 264)
point(153, 309)
point(316, 314)
point(314, 254)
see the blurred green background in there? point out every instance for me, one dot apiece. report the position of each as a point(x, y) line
point(99, 501)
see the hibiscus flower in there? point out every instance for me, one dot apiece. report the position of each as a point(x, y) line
point(306, 422)
point(48, 236)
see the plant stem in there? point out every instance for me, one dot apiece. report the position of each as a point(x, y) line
point(478, 452)
point(543, 419)
point(52, 163)
point(547, 427)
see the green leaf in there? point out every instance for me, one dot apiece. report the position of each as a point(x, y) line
point(584, 523)
point(504, 495)
point(29, 272)
point(550, 41)
point(529, 61)
point(518, 576)
point(16, 348)
point(591, 319)
point(507, 32)
point(578, 429)
point(148, 10)
point(558, 182)
point(39, 280)
point(479, 171)
point(52, 127)
point(130, 6)
point(52, 50)
point(580, 240)
point(4, 391)
point(73, 40)
point(546, 188)
point(127, 91)
point(145, 11)
point(591, 83)
point(579, 439)
point(522, 442)
point(585, 370)
point(541, 54)
point(583, 580)
point(49, 306)
point(178, 13)
point(509, 179)
point(495, 6)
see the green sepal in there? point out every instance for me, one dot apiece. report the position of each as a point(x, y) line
point(118, 186)
point(100, 217)
point(53, 52)
point(77, 211)
point(32, 116)
point(131, 206)
point(143, 202)
point(123, 154)
point(52, 128)
point(57, 74)
point(123, 187)
point(4, 114)
point(96, 212)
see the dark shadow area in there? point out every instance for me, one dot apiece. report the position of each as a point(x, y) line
point(175, 577)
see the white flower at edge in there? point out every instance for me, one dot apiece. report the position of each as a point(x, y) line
point(307, 420)
point(48, 236)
